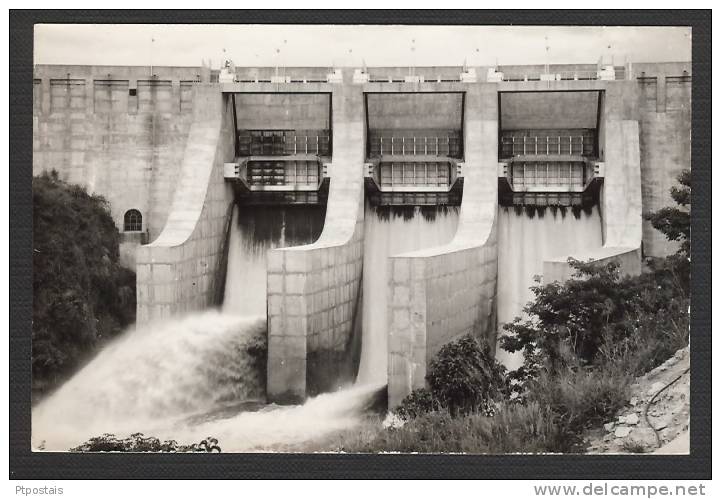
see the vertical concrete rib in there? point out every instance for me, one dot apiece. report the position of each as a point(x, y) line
point(178, 272)
point(452, 288)
point(620, 196)
point(313, 289)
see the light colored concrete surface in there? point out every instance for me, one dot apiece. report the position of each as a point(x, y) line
point(319, 283)
point(415, 111)
point(129, 242)
point(665, 141)
point(283, 111)
point(179, 271)
point(628, 259)
point(451, 289)
point(93, 134)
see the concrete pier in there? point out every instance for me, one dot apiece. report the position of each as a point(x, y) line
point(442, 293)
point(313, 290)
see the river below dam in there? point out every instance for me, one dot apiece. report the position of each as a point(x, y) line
point(202, 383)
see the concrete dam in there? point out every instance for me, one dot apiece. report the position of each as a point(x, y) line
point(364, 217)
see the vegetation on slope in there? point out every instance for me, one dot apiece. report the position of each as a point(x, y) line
point(81, 294)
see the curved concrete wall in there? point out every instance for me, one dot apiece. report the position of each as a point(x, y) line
point(180, 270)
point(313, 290)
point(439, 294)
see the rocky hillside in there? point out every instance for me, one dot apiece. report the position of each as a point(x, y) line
point(660, 401)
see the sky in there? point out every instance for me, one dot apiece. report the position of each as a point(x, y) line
point(335, 45)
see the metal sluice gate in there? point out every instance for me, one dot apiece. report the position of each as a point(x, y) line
point(414, 167)
point(549, 168)
point(281, 166)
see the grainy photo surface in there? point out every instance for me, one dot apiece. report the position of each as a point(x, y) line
point(361, 239)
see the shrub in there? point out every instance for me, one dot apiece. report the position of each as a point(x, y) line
point(579, 397)
point(655, 337)
point(139, 443)
point(675, 222)
point(465, 377)
point(598, 309)
point(419, 402)
point(573, 313)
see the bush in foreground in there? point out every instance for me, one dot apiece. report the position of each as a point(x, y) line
point(137, 442)
point(463, 377)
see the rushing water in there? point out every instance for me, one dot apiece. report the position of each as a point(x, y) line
point(153, 377)
point(391, 231)
point(525, 240)
point(191, 377)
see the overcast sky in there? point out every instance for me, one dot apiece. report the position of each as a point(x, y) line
point(328, 45)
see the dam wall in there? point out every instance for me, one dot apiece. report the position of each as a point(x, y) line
point(121, 130)
point(314, 290)
point(181, 270)
point(439, 294)
point(160, 141)
point(664, 141)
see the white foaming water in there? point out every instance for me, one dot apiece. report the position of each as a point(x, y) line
point(153, 377)
point(171, 380)
point(281, 428)
point(524, 242)
point(387, 233)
